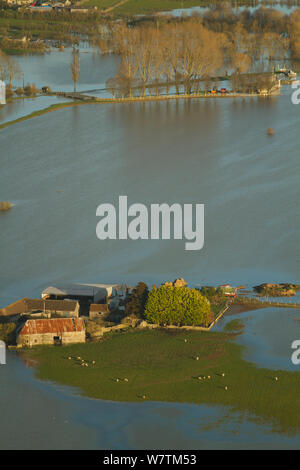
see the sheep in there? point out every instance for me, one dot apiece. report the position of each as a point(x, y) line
point(185, 340)
point(199, 378)
point(208, 376)
point(223, 374)
point(197, 358)
point(69, 358)
point(125, 380)
point(144, 397)
point(94, 362)
point(226, 388)
point(276, 378)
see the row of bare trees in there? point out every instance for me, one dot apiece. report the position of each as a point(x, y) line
point(185, 54)
point(171, 55)
point(9, 68)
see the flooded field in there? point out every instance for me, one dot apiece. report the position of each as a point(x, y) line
point(57, 168)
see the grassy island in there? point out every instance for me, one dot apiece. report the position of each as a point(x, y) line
point(162, 365)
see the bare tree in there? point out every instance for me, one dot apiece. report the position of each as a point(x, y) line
point(75, 67)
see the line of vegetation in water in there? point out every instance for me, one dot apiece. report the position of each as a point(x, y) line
point(53, 107)
point(260, 303)
point(140, 99)
point(162, 365)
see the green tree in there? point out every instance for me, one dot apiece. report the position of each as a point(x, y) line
point(8, 333)
point(137, 301)
point(177, 306)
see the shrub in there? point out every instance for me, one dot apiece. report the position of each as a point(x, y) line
point(34, 90)
point(137, 301)
point(19, 91)
point(177, 306)
point(5, 206)
point(30, 90)
point(8, 333)
point(9, 91)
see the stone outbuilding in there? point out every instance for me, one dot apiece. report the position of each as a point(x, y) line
point(98, 310)
point(40, 307)
point(51, 331)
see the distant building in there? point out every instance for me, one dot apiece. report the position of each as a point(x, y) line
point(228, 290)
point(2, 93)
point(51, 331)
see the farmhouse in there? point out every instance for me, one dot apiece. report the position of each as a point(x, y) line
point(51, 331)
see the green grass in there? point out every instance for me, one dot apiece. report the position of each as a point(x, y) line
point(101, 4)
point(161, 366)
point(136, 7)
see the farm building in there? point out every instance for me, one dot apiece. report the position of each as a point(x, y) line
point(228, 291)
point(39, 307)
point(51, 331)
point(84, 293)
point(98, 310)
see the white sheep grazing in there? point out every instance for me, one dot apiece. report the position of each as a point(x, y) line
point(276, 378)
point(185, 340)
point(94, 362)
point(69, 358)
point(223, 374)
point(199, 378)
point(125, 380)
point(226, 388)
point(208, 376)
point(144, 397)
point(117, 380)
point(197, 358)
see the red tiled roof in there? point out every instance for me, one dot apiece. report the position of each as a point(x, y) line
point(53, 325)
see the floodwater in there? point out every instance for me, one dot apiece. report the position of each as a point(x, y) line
point(56, 170)
point(64, 164)
point(53, 70)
